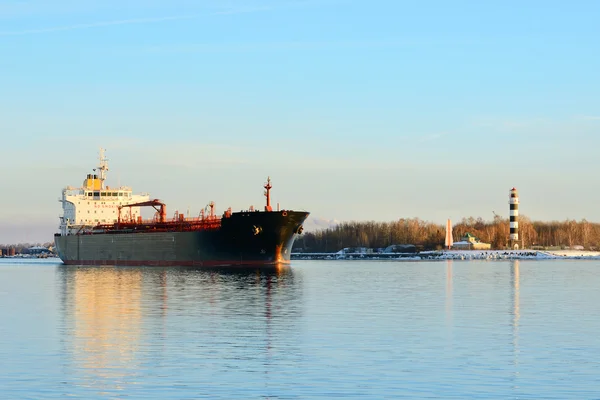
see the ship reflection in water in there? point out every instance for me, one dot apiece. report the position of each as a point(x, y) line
point(120, 323)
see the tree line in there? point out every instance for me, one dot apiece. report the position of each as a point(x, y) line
point(430, 236)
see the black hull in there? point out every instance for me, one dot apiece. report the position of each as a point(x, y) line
point(244, 238)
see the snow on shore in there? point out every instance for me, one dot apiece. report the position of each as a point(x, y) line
point(509, 254)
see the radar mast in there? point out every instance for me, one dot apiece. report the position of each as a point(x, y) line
point(103, 167)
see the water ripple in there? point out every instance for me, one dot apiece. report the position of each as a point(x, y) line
point(322, 329)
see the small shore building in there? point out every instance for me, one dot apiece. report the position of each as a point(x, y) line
point(470, 242)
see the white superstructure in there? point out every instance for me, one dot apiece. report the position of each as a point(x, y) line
point(94, 203)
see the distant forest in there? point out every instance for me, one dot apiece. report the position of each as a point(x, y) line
point(430, 236)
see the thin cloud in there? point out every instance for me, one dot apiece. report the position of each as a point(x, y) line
point(317, 223)
point(591, 117)
point(129, 22)
point(97, 25)
point(242, 10)
point(280, 46)
point(434, 136)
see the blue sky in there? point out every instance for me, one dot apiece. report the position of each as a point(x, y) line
point(357, 110)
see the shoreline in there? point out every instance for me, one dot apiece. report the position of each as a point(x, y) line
point(436, 255)
point(456, 255)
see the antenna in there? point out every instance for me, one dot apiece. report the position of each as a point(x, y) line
point(103, 167)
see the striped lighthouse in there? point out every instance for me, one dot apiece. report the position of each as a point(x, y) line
point(513, 200)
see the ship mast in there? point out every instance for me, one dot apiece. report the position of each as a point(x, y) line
point(103, 167)
point(268, 194)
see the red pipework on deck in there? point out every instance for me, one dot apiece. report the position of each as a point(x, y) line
point(268, 194)
point(152, 203)
point(178, 224)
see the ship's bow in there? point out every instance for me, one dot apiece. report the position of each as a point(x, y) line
point(262, 237)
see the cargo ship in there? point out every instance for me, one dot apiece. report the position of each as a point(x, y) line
point(103, 225)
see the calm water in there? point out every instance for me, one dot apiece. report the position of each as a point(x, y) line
point(322, 329)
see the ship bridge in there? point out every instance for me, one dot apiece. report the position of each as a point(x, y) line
point(94, 203)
